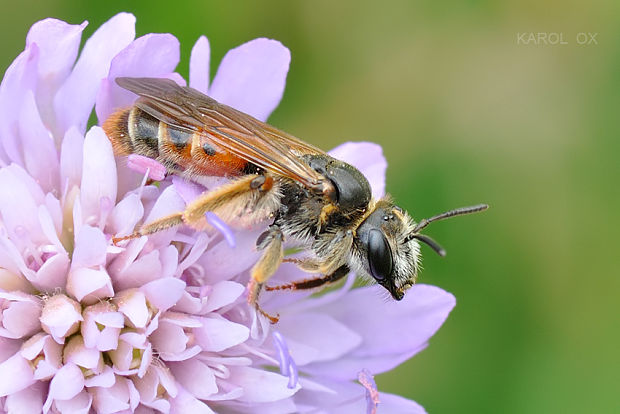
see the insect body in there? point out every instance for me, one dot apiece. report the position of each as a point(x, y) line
point(323, 202)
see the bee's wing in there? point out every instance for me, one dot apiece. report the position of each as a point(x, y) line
point(229, 129)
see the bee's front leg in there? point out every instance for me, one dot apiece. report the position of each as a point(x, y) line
point(270, 242)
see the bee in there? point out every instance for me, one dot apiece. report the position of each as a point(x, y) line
point(323, 203)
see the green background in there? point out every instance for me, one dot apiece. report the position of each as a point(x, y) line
point(466, 113)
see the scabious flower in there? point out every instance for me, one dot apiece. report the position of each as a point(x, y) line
point(161, 323)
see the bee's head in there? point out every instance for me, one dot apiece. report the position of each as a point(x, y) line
point(388, 248)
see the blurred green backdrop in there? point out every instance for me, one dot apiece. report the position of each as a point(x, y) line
point(466, 113)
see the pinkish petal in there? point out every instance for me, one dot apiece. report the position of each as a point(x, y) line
point(368, 158)
point(53, 274)
point(71, 153)
point(20, 315)
point(215, 335)
point(44, 353)
point(221, 262)
point(28, 400)
point(423, 310)
point(8, 347)
point(223, 293)
point(77, 353)
point(112, 399)
point(19, 78)
point(89, 285)
point(125, 216)
point(185, 402)
point(90, 248)
point(152, 55)
point(15, 375)
point(80, 404)
point(98, 174)
point(132, 304)
point(74, 100)
point(66, 384)
point(101, 326)
point(143, 270)
point(251, 77)
point(188, 190)
point(317, 337)
point(50, 217)
point(106, 379)
point(18, 207)
point(60, 317)
point(164, 293)
point(199, 65)
point(43, 163)
point(195, 376)
point(58, 43)
point(260, 386)
point(169, 338)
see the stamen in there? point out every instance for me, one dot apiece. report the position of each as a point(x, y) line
point(222, 227)
point(372, 394)
point(287, 365)
point(144, 165)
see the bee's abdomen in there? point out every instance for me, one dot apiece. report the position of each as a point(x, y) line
point(144, 133)
point(133, 131)
point(116, 128)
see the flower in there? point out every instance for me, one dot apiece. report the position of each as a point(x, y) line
point(162, 323)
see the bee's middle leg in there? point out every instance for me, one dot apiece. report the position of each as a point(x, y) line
point(270, 242)
point(315, 282)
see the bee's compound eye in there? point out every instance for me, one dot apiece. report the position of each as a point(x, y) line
point(379, 255)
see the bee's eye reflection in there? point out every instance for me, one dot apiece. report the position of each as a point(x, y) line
point(379, 255)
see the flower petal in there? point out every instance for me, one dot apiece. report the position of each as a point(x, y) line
point(80, 404)
point(215, 335)
point(18, 206)
point(152, 55)
point(185, 402)
point(89, 285)
point(199, 65)
point(74, 100)
point(29, 400)
point(368, 158)
point(125, 216)
point(71, 153)
point(317, 337)
point(42, 163)
point(163, 293)
point(15, 375)
point(423, 310)
point(260, 386)
point(251, 77)
point(98, 174)
point(19, 78)
point(90, 248)
point(58, 43)
point(195, 376)
point(223, 293)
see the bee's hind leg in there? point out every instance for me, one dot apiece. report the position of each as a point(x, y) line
point(270, 242)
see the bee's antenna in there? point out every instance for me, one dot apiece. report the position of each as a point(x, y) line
point(432, 243)
point(425, 222)
point(456, 212)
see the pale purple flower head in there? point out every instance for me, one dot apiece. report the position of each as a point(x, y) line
point(161, 323)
